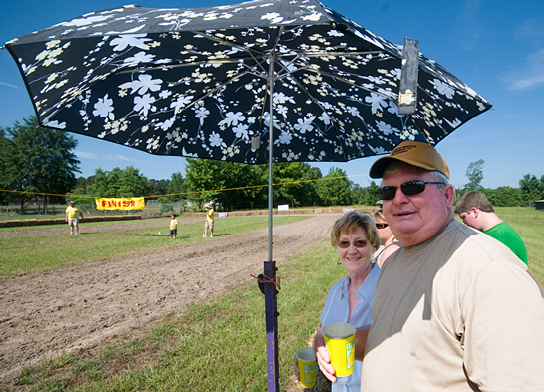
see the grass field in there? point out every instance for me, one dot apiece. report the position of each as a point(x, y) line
point(24, 254)
point(220, 345)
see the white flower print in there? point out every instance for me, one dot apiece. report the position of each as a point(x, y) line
point(282, 98)
point(140, 57)
point(454, 123)
point(353, 111)
point(325, 118)
point(285, 137)
point(135, 40)
point(143, 104)
point(143, 84)
point(378, 102)
point(232, 118)
point(104, 108)
point(201, 113)
point(180, 103)
point(86, 21)
point(55, 124)
point(385, 128)
point(241, 131)
point(215, 139)
point(304, 124)
point(443, 88)
point(166, 124)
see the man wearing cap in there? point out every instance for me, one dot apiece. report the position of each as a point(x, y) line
point(454, 310)
point(72, 217)
point(209, 220)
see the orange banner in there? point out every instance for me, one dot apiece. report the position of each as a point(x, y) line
point(132, 203)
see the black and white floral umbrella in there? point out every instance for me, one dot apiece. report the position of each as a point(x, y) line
point(261, 81)
point(197, 82)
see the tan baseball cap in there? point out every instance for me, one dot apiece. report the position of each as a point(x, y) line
point(417, 154)
point(208, 205)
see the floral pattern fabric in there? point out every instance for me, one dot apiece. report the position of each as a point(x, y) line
point(199, 83)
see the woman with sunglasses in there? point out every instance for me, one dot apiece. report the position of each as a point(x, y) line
point(388, 240)
point(355, 238)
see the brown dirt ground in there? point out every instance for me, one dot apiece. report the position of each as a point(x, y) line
point(45, 314)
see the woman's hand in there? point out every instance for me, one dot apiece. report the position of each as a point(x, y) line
point(323, 359)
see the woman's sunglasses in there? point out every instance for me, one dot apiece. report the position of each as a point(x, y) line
point(409, 188)
point(382, 225)
point(357, 243)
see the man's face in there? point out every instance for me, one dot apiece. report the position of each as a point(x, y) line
point(470, 219)
point(414, 219)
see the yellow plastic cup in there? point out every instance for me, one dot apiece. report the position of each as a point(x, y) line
point(340, 343)
point(307, 366)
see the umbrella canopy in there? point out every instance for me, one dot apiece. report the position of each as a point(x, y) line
point(198, 82)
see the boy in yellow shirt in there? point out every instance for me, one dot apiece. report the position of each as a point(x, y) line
point(173, 227)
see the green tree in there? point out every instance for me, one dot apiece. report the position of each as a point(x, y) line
point(118, 183)
point(373, 194)
point(206, 180)
point(336, 191)
point(177, 185)
point(43, 157)
point(9, 167)
point(158, 187)
point(503, 196)
point(299, 187)
point(531, 189)
point(475, 176)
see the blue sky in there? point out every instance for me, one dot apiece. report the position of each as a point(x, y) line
point(495, 47)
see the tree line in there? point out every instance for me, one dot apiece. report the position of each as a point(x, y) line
point(41, 160)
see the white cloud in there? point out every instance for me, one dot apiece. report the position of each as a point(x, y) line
point(530, 74)
point(10, 85)
point(105, 157)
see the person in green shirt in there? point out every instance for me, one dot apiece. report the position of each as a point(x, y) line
point(476, 211)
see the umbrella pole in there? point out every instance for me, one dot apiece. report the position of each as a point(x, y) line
point(270, 265)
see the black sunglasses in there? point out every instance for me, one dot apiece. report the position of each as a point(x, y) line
point(382, 225)
point(357, 243)
point(409, 188)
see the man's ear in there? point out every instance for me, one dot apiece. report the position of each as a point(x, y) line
point(449, 194)
point(475, 211)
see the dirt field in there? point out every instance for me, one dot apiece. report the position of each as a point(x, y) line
point(42, 315)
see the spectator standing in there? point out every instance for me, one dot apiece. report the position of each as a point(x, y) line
point(388, 240)
point(209, 220)
point(355, 238)
point(476, 211)
point(72, 217)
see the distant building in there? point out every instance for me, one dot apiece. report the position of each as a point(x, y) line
point(539, 205)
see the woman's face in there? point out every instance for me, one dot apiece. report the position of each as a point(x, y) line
point(385, 233)
point(356, 260)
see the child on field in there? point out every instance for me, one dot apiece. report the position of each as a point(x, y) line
point(173, 227)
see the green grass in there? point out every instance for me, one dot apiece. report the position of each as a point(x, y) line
point(220, 345)
point(25, 254)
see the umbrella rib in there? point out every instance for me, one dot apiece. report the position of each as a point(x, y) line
point(234, 45)
point(341, 79)
point(268, 80)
